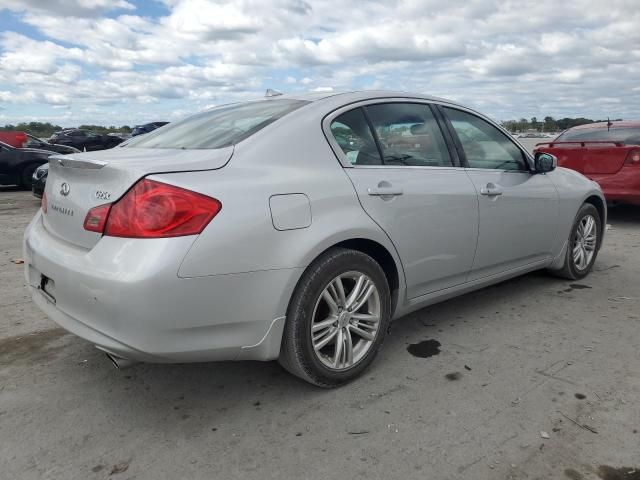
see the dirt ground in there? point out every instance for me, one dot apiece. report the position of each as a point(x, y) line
point(501, 369)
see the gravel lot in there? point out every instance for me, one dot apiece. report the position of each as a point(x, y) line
point(536, 354)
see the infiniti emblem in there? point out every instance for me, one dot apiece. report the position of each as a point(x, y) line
point(64, 189)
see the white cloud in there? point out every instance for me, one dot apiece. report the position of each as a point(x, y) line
point(102, 57)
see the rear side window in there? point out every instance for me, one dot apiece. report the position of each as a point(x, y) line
point(351, 132)
point(630, 136)
point(409, 135)
point(220, 127)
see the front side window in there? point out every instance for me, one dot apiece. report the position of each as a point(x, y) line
point(409, 135)
point(219, 127)
point(351, 132)
point(484, 145)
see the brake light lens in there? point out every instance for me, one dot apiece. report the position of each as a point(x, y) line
point(44, 204)
point(633, 157)
point(154, 210)
point(96, 218)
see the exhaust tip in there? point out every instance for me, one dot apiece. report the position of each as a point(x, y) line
point(119, 362)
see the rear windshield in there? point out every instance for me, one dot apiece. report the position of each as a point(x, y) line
point(630, 136)
point(219, 127)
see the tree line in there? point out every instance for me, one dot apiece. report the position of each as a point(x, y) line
point(46, 129)
point(549, 124)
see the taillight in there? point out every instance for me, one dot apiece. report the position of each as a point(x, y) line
point(633, 157)
point(43, 204)
point(154, 210)
point(96, 218)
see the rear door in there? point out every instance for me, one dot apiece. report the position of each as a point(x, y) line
point(406, 180)
point(517, 209)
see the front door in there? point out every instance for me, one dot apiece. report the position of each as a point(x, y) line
point(517, 209)
point(406, 181)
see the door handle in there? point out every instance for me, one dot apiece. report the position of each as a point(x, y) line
point(384, 191)
point(491, 190)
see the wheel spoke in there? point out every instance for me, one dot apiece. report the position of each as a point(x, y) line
point(366, 317)
point(342, 299)
point(324, 340)
point(586, 257)
point(590, 242)
point(363, 298)
point(588, 227)
point(577, 253)
point(333, 306)
point(348, 344)
point(339, 348)
point(361, 333)
point(327, 322)
point(357, 289)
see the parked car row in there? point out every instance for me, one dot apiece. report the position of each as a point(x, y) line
point(18, 164)
point(84, 139)
point(23, 157)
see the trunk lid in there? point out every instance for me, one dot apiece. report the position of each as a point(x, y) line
point(589, 157)
point(78, 182)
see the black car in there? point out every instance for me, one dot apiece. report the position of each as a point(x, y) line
point(34, 142)
point(84, 139)
point(39, 180)
point(146, 128)
point(18, 164)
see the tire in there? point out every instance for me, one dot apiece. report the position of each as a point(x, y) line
point(26, 175)
point(324, 366)
point(572, 269)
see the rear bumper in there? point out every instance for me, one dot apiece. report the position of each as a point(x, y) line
point(623, 186)
point(125, 297)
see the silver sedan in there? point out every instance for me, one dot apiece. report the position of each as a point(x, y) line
point(296, 228)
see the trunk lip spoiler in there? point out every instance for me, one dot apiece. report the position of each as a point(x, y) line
point(67, 162)
point(584, 143)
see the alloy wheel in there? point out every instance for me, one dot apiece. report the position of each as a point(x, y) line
point(584, 242)
point(345, 321)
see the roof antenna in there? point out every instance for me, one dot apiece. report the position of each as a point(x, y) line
point(609, 124)
point(272, 93)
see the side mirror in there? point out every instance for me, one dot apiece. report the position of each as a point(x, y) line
point(545, 162)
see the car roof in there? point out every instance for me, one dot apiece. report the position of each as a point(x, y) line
point(357, 95)
point(614, 124)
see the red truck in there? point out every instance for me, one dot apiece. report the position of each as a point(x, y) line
point(14, 138)
point(606, 152)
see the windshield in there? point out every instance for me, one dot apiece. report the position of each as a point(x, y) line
point(219, 127)
point(629, 135)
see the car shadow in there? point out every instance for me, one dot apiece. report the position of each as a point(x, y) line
point(624, 214)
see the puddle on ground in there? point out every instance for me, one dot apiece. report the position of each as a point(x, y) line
point(606, 472)
point(424, 349)
point(28, 346)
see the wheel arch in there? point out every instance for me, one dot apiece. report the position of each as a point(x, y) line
point(384, 258)
point(382, 252)
point(600, 205)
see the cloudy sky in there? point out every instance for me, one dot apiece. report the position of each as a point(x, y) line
point(120, 62)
